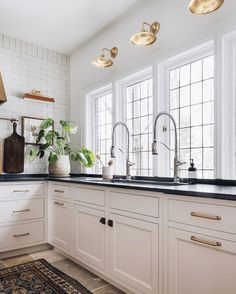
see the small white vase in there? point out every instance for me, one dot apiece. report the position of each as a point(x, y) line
point(107, 172)
point(60, 168)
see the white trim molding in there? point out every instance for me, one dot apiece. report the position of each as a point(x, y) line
point(225, 104)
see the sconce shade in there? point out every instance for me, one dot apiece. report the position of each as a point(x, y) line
point(146, 38)
point(102, 61)
point(3, 97)
point(143, 39)
point(202, 7)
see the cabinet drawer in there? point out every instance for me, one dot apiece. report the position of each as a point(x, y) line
point(91, 196)
point(140, 204)
point(210, 216)
point(19, 210)
point(27, 190)
point(24, 234)
point(60, 191)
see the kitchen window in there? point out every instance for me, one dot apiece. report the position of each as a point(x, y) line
point(99, 124)
point(191, 102)
point(103, 129)
point(139, 118)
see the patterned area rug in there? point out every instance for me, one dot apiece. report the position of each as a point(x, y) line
point(38, 277)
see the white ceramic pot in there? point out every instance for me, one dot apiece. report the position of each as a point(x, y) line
point(60, 168)
point(107, 172)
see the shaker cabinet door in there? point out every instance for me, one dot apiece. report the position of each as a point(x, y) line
point(59, 224)
point(134, 253)
point(89, 235)
point(200, 264)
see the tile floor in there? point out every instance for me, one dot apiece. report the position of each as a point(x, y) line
point(92, 282)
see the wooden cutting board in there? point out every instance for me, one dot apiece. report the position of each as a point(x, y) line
point(14, 154)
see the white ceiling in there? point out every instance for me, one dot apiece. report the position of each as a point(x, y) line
point(60, 25)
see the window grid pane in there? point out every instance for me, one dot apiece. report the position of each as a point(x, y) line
point(103, 129)
point(139, 116)
point(191, 96)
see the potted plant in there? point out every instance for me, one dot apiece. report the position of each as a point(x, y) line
point(57, 146)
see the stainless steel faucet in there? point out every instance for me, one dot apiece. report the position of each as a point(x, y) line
point(128, 162)
point(177, 162)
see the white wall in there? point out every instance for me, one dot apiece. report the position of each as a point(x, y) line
point(25, 67)
point(179, 30)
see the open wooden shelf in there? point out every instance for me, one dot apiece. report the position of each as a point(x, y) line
point(39, 98)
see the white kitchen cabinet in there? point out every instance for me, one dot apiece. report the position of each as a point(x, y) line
point(23, 216)
point(134, 252)
point(149, 243)
point(24, 191)
point(89, 235)
point(20, 210)
point(21, 235)
point(60, 223)
point(200, 264)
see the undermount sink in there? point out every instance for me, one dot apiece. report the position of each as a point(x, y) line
point(147, 182)
point(139, 182)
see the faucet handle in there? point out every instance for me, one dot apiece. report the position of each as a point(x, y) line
point(130, 163)
point(112, 151)
point(179, 162)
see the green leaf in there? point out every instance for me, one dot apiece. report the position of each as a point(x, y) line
point(49, 136)
point(40, 136)
point(74, 156)
point(61, 142)
point(32, 155)
point(41, 153)
point(44, 146)
point(85, 156)
point(65, 125)
point(47, 123)
point(52, 157)
point(67, 149)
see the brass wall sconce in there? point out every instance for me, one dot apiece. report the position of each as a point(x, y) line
point(201, 7)
point(102, 61)
point(146, 38)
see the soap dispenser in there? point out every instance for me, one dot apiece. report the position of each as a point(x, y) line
point(192, 173)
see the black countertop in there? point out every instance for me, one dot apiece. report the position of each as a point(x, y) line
point(22, 178)
point(222, 190)
point(198, 190)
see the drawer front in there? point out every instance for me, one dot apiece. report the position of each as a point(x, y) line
point(210, 216)
point(19, 210)
point(60, 191)
point(91, 196)
point(16, 191)
point(140, 204)
point(20, 235)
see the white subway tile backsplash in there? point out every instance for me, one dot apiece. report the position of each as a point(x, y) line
point(24, 67)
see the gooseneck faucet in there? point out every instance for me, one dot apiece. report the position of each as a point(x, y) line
point(128, 162)
point(177, 162)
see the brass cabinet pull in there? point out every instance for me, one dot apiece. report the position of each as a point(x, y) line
point(200, 215)
point(211, 243)
point(59, 191)
point(21, 235)
point(23, 210)
point(20, 191)
point(59, 203)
